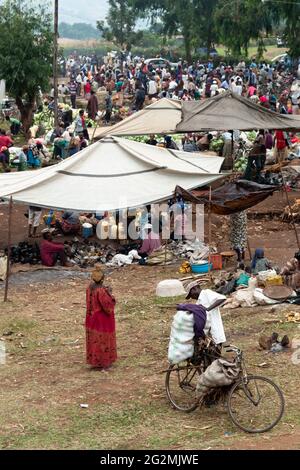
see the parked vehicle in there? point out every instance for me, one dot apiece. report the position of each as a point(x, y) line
point(280, 42)
point(203, 52)
point(159, 63)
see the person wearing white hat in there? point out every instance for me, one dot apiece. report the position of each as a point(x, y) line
point(214, 88)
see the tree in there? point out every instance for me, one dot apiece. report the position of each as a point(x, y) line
point(193, 19)
point(176, 16)
point(290, 11)
point(26, 53)
point(120, 24)
point(240, 21)
point(205, 25)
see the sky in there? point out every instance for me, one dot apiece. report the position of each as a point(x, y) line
point(82, 11)
point(79, 11)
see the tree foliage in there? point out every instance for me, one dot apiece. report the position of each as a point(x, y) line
point(26, 53)
point(194, 20)
point(240, 21)
point(120, 24)
point(233, 23)
point(291, 14)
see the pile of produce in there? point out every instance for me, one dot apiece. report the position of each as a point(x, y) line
point(44, 120)
point(216, 145)
point(144, 138)
point(251, 135)
point(240, 164)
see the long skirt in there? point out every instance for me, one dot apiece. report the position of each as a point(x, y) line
point(101, 344)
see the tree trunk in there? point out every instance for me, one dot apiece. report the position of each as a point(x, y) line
point(187, 46)
point(26, 111)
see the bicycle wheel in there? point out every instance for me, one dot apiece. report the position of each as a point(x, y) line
point(181, 381)
point(255, 404)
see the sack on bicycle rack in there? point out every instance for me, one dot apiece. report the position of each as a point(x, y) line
point(220, 373)
point(181, 346)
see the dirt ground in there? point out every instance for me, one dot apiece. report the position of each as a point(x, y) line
point(45, 380)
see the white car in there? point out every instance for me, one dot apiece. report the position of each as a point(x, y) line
point(159, 63)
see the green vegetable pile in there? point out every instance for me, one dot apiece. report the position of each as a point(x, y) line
point(44, 119)
point(216, 145)
point(240, 164)
point(251, 136)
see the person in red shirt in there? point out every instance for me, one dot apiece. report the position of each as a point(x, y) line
point(87, 89)
point(5, 140)
point(51, 252)
point(281, 146)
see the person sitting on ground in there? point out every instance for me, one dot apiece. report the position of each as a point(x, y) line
point(291, 272)
point(170, 143)
point(5, 140)
point(4, 159)
point(15, 125)
point(151, 242)
point(259, 262)
point(152, 140)
point(204, 142)
point(70, 224)
point(188, 144)
point(51, 252)
point(21, 159)
point(82, 142)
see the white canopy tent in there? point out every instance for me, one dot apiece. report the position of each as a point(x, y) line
point(160, 117)
point(109, 175)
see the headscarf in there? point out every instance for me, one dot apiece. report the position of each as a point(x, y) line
point(97, 274)
point(259, 253)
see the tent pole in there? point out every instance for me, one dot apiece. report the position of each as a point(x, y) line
point(10, 206)
point(209, 227)
point(232, 149)
point(249, 249)
point(95, 128)
point(165, 255)
point(291, 212)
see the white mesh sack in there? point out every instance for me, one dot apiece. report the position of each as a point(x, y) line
point(170, 288)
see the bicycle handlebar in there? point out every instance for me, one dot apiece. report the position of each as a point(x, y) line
point(216, 304)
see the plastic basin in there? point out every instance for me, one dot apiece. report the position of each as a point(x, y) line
point(201, 268)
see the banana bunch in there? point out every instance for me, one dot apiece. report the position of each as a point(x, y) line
point(185, 268)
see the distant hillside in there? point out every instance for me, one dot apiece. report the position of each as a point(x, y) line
point(79, 31)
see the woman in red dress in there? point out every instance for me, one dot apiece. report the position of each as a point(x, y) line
point(101, 347)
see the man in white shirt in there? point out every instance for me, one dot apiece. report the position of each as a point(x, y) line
point(214, 88)
point(152, 88)
point(172, 85)
point(208, 298)
point(239, 87)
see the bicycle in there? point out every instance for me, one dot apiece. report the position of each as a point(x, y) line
point(254, 403)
